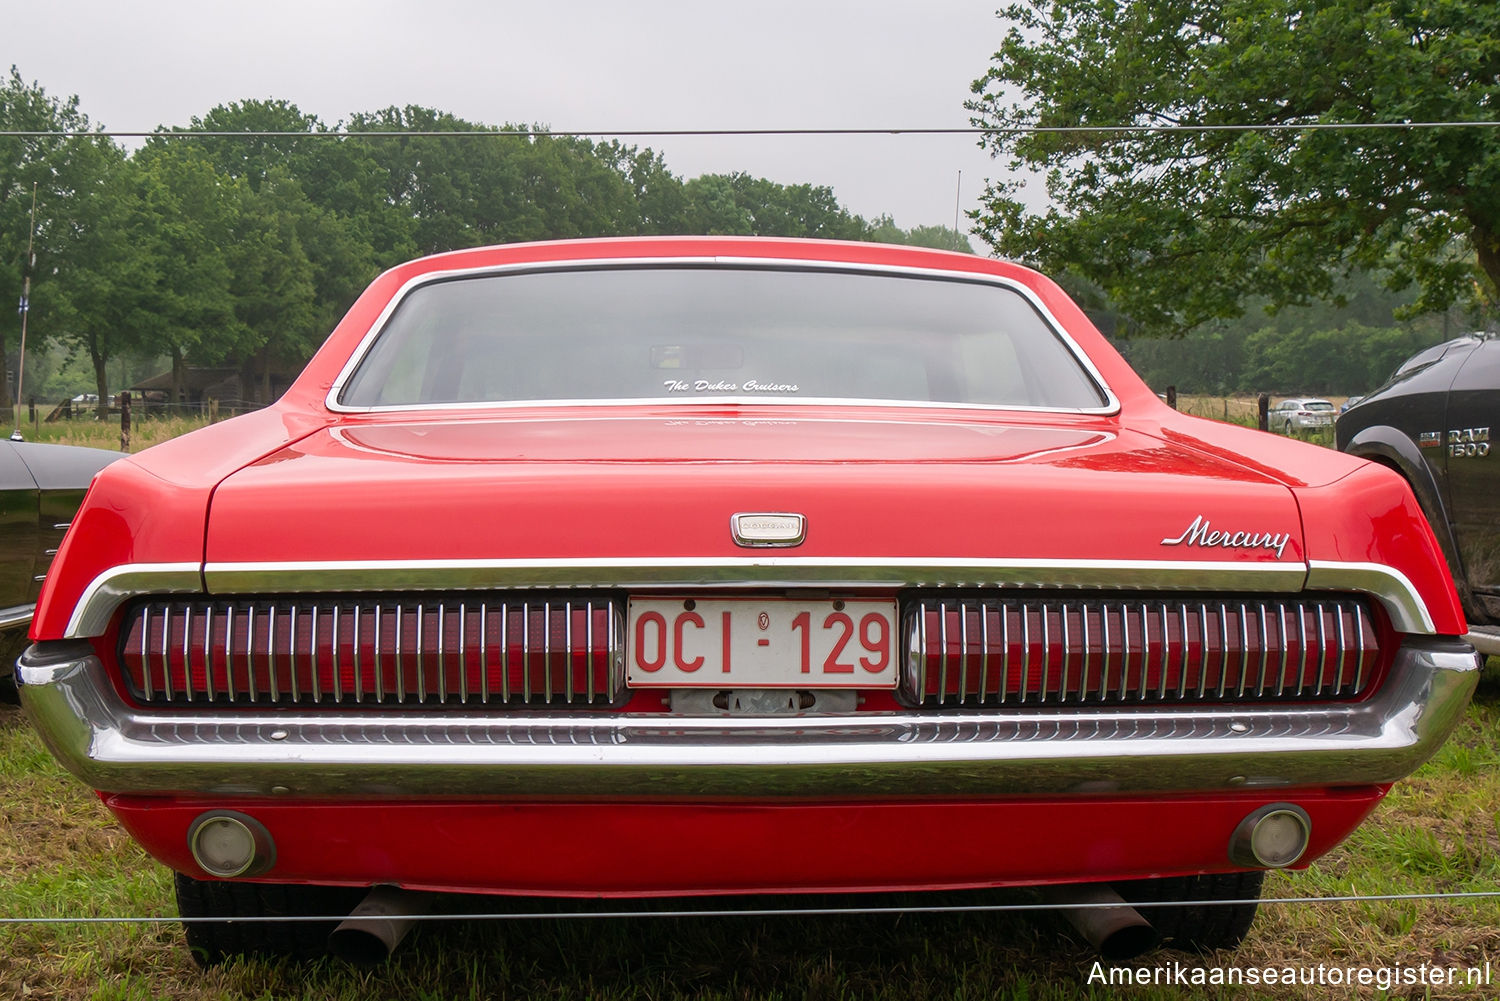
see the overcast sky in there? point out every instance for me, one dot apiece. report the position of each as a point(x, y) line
point(584, 64)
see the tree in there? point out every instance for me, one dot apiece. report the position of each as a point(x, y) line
point(885, 230)
point(66, 173)
point(502, 185)
point(1180, 226)
point(189, 224)
point(100, 297)
point(742, 205)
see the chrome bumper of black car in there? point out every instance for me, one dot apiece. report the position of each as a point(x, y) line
point(17, 617)
point(117, 748)
point(1485, 639)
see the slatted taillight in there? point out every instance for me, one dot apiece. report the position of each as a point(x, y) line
point(538, 651)
point(1060, 651)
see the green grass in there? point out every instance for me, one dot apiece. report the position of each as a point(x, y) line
point(62, 855)
point(145, 431)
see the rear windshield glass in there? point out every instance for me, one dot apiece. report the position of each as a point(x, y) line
point(676, 333)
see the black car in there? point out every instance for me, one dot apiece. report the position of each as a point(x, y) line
point(40, 488)
point(1433, 423)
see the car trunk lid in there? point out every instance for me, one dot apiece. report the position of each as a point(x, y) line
point(583, 487)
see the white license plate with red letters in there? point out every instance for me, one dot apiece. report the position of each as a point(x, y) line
point(761, 643)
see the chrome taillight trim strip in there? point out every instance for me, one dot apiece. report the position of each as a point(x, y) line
point(166, 642)
point(1225, 645)
point(103, 596)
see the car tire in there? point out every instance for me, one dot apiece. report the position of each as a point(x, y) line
point(212, 942)
point(1198, 923)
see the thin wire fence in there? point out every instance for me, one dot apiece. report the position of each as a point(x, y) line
point(765, 912)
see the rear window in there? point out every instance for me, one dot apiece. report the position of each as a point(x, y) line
point(678, 333)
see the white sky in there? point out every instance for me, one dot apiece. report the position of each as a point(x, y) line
point(585, 64)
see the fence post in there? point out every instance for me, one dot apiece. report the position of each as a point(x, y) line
point(125, 421)
point(1263, 411)
point(32, 404)
point(1172, 397)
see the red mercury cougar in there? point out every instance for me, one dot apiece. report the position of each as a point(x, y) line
point(663, 567)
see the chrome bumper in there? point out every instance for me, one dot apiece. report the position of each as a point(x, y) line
point(117, 748)
point(16, 617)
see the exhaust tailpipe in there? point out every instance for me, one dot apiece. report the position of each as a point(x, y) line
point(1116, 930)
point(371, 932)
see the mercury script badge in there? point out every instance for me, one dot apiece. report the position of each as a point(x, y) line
point(1199, 534)
point(767, 529)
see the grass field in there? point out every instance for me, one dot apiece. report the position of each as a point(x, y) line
point(144, 432)
point(61, 855)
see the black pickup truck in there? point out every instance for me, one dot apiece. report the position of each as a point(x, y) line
point(1434, 422)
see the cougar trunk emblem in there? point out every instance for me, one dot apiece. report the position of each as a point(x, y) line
point(768, 529)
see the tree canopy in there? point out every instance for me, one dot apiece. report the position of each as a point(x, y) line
point(213, 249)
point(57, 170)
point(1232, 195)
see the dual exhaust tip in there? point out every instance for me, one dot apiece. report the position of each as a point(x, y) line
point(229, 845)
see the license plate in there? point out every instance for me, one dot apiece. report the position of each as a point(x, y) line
point(760, 643)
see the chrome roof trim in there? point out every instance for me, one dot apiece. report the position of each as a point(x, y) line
point(97, 605)
point(1110, 406)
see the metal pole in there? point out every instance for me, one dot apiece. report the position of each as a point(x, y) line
point(25, 310)
point(957, 199)
point(125, 421)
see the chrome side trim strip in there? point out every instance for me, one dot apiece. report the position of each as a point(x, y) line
point(1081, 751)
point(98, 603)
point(1407, 609)
point(96, 606)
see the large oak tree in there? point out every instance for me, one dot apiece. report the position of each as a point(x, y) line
point(1179, 226)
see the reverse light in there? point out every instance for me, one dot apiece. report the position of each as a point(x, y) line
point(227, 844)
point(1272, 837)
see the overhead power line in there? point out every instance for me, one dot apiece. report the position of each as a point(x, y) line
point(710, 133)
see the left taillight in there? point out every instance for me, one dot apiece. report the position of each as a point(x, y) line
point(541, 650)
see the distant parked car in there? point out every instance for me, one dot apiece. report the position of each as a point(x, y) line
point(1350, 402)
point(41, 487)
point(1433, 423)
point(1301, 413)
